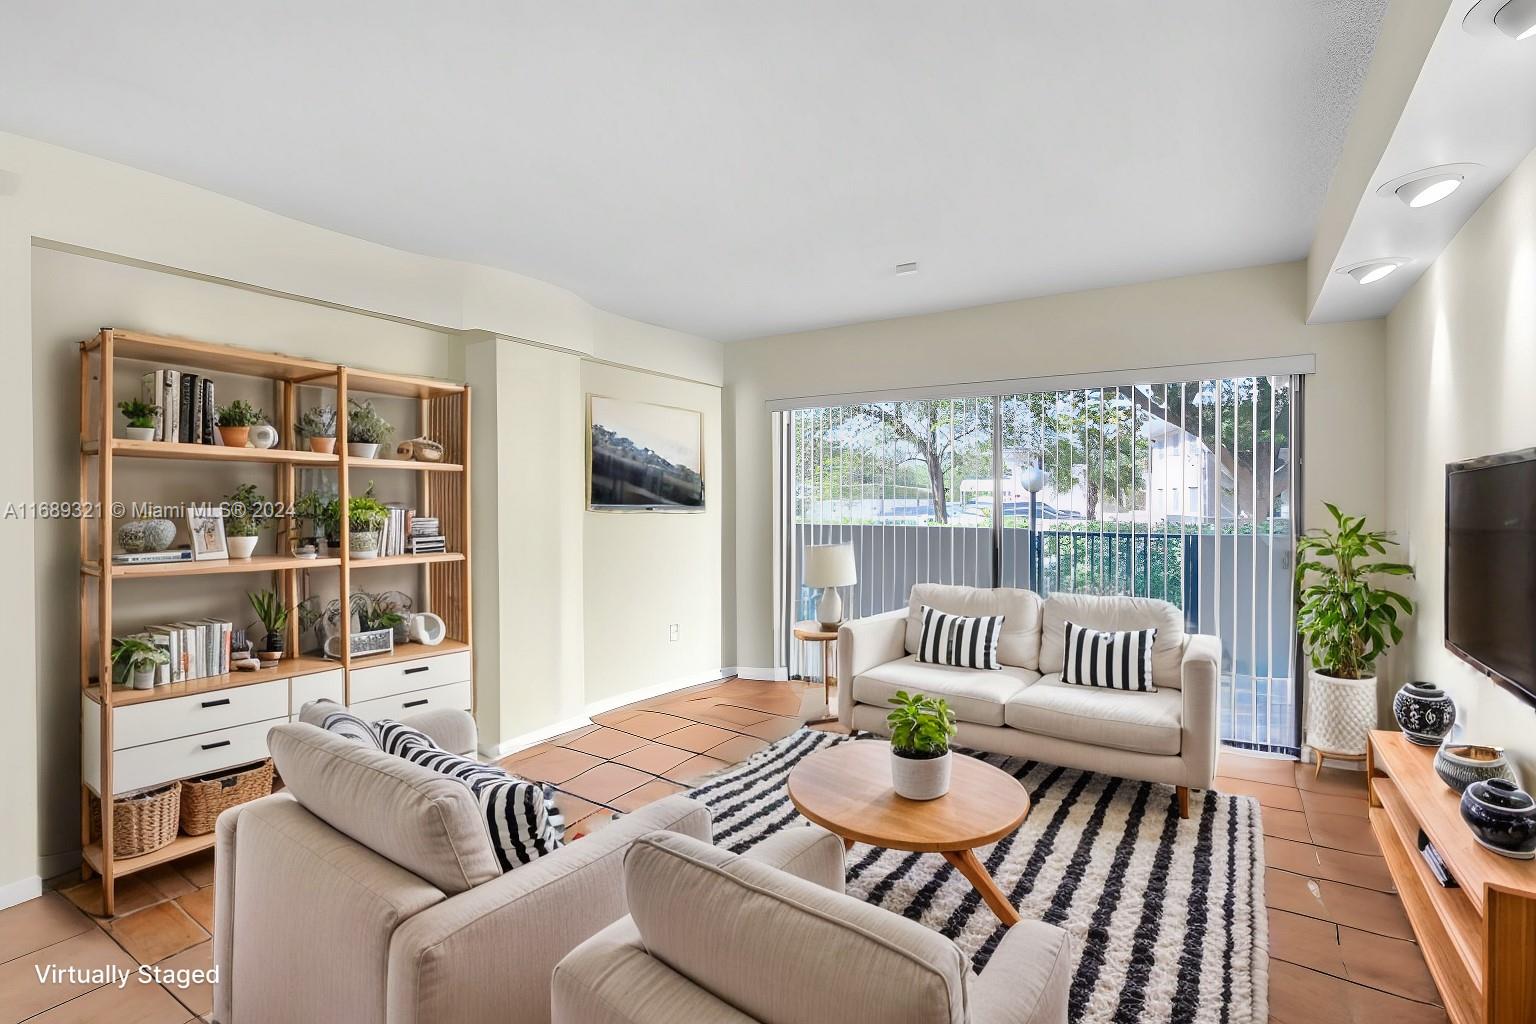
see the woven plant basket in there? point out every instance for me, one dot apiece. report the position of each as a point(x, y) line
point(204, 799)
point(142, 822)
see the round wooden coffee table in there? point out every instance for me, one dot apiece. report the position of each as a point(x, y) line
point(847, 790)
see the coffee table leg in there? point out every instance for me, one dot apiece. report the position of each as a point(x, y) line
point(975, 872)
point(847, 844)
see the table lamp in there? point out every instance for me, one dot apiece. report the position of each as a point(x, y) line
point(829, 566)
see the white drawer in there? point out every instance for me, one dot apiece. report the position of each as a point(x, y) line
point(400, 705)
point(152, 721)
point(402, 676)
point(320, 686)
point(187, 756)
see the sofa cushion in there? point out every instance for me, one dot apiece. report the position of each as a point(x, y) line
point(1018, 644)
point(1114, 615)
point(425, 822)
point(815, 955)
point(1148, 723)
point(976, 695)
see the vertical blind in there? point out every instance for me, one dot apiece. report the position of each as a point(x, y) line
point(1181, 491)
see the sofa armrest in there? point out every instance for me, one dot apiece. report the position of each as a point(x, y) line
point(863, 644)
point(1200, 677)
point(1028, 980)
point(487, 954)
point(810, 853)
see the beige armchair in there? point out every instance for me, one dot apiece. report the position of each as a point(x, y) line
point(770, 938)
point(367, 892)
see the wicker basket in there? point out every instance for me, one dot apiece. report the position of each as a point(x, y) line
point(204, 799)
point(141, 822)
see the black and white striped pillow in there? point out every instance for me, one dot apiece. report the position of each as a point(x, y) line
point(1116, 661)
point(521, 816)
point(960, 641)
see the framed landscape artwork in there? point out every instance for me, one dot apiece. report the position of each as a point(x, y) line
point(643, 457)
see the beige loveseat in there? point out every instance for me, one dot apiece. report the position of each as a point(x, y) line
point(1025, 709)
point(368, 892)
point(770, 938)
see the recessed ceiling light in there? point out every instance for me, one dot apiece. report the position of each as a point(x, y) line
point(1371, 271)
point(906, 268)
point(1427, 186)
point(1513, 18)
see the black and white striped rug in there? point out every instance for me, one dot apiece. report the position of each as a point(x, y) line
point(1167, 915)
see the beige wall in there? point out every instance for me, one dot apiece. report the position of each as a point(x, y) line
point(645, 571)
point(1461, 359)
point(196, 245)
point(1210, 317)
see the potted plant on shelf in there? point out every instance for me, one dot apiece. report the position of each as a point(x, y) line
point(366, 429)
point(236, 420)
point(366, 516)
point(269, 608)
point(318, 424)
point(246, 512)
point(921, 727)
point(141, 419)
point(313, 509)
point(141, 658)
point(1345, 623)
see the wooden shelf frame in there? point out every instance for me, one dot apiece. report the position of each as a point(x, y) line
point(1479, 938)
point(442, 490)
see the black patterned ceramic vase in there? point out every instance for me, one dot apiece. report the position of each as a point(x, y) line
point(1502, 818)
point(1461, 764)
point(1424, 712)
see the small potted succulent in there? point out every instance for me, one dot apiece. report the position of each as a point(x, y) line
point(141, 419)
point(269, 608)
point(246, 513)
point(366, 429)
point(318, 424)
point(366, 516)
point(921, 728)
point(236, 420)
point(141, 658)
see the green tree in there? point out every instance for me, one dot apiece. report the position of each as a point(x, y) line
point(948, 437)
point(1098, 430)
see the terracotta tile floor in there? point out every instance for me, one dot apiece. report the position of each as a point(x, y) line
point(1340, 947)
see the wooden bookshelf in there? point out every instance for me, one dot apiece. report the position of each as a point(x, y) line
point(443, 579)
point(1479, 937)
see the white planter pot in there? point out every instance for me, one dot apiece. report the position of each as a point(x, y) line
point(241, 547)
point(1340, 713)
point(140, 433)
point(144, 678)
point(921, 778)
point(364, 544)
point(362, 451)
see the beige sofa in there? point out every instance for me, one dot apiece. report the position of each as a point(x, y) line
point(1025, 709)
point(770, 938)
point(367, 892)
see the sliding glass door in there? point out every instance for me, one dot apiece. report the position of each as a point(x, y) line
point(1180, 491)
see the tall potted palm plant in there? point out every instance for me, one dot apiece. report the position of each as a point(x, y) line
point(1345, 622)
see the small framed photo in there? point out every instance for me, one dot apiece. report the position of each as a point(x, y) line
point(205, 524)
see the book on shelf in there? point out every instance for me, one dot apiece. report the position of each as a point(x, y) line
point(181, 554)
point(193, 649)
point(210, 413)
point(427, 546)
point(187, 411)
point(188, 405)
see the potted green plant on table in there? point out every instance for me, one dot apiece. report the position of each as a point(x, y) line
point(318, 424)
point(246, 514)
point(1345, 623)
point(366, 429)
point(236, 420)
point(141, 658)
point(921, 728)
point(269, 608)
point(141, 419)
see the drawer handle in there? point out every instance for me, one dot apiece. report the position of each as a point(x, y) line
point(414, 703)
point(215, 746)
point(413, 671)
point(215, 703)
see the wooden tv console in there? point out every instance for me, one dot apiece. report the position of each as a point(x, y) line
point(1479, 939)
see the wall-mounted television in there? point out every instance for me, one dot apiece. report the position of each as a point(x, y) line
point(643, 457)
point(1490, 567)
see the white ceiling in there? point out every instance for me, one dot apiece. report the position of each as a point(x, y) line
point(727, 168)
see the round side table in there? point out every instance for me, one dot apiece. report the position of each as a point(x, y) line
point(811, 632)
